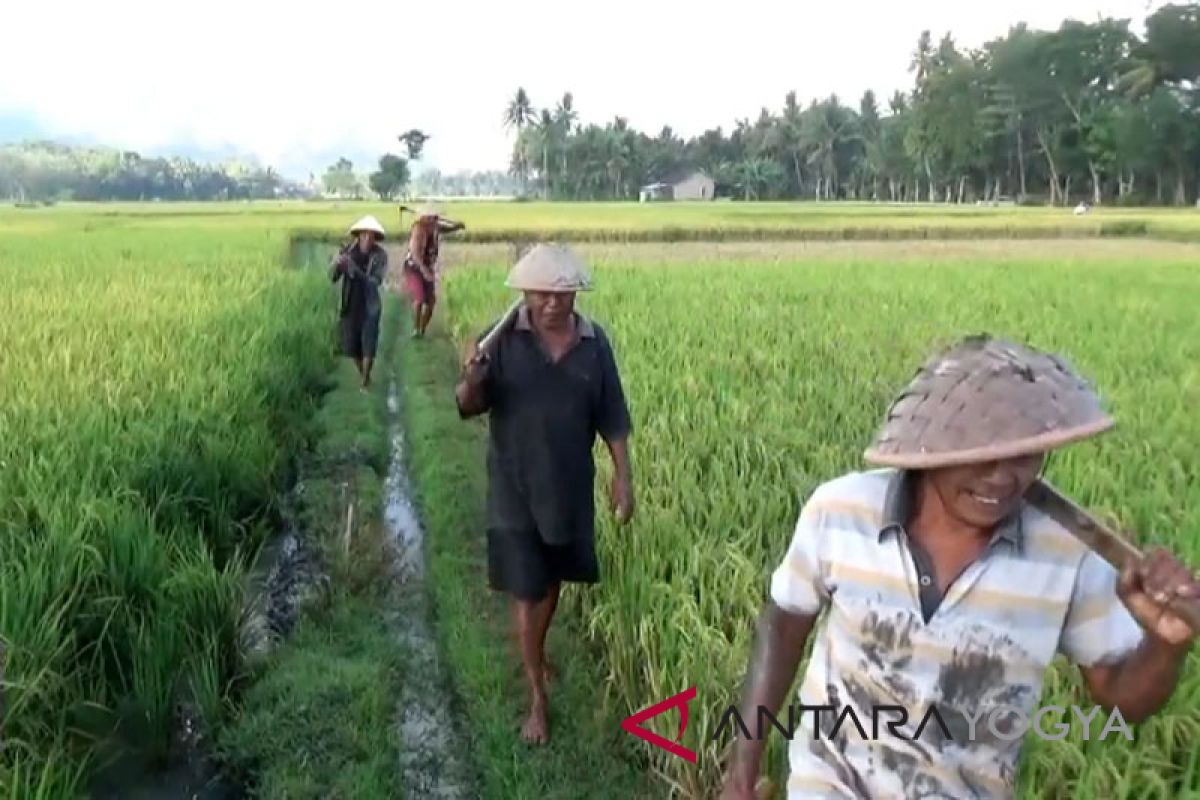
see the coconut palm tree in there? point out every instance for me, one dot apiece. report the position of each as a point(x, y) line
point(518, 114)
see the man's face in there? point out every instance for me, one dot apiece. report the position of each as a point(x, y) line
point(982, 495)
point(551, 309)
point(365, 239)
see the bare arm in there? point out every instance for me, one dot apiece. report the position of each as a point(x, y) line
point(621, 491)
point(778, 648)
point(416, 250)
point(471, 391)
point(618, 449)
point(1140, 685)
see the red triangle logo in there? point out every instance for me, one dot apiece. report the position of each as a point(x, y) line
point(633, 724)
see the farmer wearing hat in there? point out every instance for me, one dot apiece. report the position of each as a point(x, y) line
point(550, 384)
point(947, 590)
point(361, 266)
point(420, 265)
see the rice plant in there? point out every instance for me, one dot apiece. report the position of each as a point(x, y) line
point(154, 388)
point(750, 382)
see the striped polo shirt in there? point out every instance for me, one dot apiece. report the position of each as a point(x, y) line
point(889, 640)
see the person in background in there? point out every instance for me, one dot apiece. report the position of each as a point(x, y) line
point(421, 264)
point(361, 267)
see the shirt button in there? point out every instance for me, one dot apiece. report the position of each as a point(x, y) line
point(925, 580)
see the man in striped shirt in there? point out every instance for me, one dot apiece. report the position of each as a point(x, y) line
point(943, 589)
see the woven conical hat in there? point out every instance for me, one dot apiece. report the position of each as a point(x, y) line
point(549, 268)
point(986, 399)
point(368, 223)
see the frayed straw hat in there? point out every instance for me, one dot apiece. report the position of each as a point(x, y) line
point(987, 399)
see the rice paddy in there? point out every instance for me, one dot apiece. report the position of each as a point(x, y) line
point(756, 372)
point(159, 366)
point(154, 389)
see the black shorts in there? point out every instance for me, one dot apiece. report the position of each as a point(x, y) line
point(521, 564)
point(360, 335)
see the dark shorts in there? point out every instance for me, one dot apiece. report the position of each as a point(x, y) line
point(521, 564)
point(360, 336)
point(419, 289)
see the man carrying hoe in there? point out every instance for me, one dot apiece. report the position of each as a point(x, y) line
point(946, 589)
point(550, 385)
point(361, 267)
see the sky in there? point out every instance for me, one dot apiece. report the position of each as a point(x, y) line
point(296, 86)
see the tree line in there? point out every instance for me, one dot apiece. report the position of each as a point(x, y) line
point(48, 171)
point(1090, 111)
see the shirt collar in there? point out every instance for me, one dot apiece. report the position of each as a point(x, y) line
point(586, 329)
point(897, 508)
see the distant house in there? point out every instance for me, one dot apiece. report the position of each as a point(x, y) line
point(688, 184)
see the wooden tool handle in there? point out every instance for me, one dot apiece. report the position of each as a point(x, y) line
point(485, 345)
point(1107, 543)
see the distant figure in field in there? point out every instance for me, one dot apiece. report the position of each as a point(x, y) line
point(361, 266)
point(1083, 208)
point(421, 264)
point(550, 384)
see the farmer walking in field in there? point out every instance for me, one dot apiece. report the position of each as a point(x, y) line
point(947, 588)
point(551, 385)
point(361, 267)
point(421, 264)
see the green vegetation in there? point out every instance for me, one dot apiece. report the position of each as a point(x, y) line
point(1090, 111)
point(166, 387)
point(166, 381)
point(319, 719)
point(45, 171)
point(503, 221)
point(751, 382)
point(156, 392)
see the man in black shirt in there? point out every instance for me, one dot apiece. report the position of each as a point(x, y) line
point(362, 269)
point(549, 384)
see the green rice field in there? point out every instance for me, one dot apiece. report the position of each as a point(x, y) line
point(160, 367)
point(493, 220)
point(755, 372)
point(154, 386)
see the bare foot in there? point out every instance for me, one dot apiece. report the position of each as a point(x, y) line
point(535, 730)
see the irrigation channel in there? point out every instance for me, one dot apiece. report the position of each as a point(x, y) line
point(432, 764)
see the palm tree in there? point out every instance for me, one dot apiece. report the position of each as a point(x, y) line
point(827, 126)
point(791, 139)
point(542, 137)
point(565, 114)
point(565, 117)
point(518, 114)
point(414, 141)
